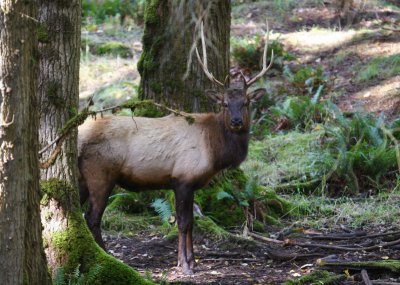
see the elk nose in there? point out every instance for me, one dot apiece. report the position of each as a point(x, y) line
point(236, 122)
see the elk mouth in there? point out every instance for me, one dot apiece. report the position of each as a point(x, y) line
point(236, 127)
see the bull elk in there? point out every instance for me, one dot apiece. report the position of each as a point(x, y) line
point(166, 153)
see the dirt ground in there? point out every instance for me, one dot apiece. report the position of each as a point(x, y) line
point(257, 262)
point(220, 262)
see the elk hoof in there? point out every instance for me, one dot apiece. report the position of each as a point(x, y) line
point(187, 271)
point(192, 264)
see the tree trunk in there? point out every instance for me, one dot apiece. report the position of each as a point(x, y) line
point(59, 47)
point(168, 64)
point(69, 243)
point(22, 259)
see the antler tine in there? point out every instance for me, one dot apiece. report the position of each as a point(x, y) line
point(203, 63)
point(265, 67)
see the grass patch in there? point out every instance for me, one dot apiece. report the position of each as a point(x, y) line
point(116, 221)
point(379, 67)
point(320, 212)
point(293, 157)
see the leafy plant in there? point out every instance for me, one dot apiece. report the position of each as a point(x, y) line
point(302, 112)
point(306, 80)
point(100, 10)
point(364, 150)
point(163, 209)
point(76, 277)
point(248, 53)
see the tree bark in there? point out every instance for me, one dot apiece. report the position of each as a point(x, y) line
point(58, 90)
point(69, 243)
point(59, 46)
point(168, 64)
point(22, 259)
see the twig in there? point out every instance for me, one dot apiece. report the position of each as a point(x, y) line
point(281, 255)
point(178, 113)
point(365, 277)
point(377, 282)
point(50, 144)
point(81, 117)
point(5, 125)
point(265, 238)
point(52, 158)
point(386, 244)
point(232, 259)
point(390, 29)
point(358, 235)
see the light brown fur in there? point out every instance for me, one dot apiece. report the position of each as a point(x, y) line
point(161, 153)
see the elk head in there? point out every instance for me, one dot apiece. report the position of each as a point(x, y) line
point(235, 99)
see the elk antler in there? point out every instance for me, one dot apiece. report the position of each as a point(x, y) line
point(265, 67)
point(204, 62)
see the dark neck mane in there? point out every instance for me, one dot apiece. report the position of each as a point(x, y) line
point(230, 149)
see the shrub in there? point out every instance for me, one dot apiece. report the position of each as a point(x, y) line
point(100, 9)
point(114, 48)
point(249, 53)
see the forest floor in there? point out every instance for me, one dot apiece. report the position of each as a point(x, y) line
point(258, 262)
point(363, 64)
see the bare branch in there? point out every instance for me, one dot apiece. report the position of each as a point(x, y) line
point(5, 125)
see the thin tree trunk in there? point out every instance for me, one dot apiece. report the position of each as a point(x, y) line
point(69, 243)
point(21, 254)
point(59, 47)
point(168, 65)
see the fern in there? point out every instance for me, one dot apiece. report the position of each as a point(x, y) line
point(60, 276)
point(163, 209)
point(92, 274)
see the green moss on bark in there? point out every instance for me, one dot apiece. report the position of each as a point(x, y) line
point(42, 33)
point(75, 245)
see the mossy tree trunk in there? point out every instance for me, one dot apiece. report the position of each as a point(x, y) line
point(168, 65)
point(59, 47)
point(22, 259)
point(68, 242)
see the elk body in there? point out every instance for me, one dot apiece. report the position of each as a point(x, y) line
point(165, 153)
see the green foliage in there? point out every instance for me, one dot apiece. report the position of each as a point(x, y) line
point(115, 49)
point(249, 53)
point(303, 112)
point(75, 245)
point(129, 202)
point(289, 161)
point(379, 67)
point(318, 278)
point(100, 10)
point(363, 150)
point(240, 197)
point(316, 211)
point(76, 277)
point(163, 209)
point(306, 80)
point(207, 227)
point(43, 34)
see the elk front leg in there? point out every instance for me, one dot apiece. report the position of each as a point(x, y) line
point(184, 213)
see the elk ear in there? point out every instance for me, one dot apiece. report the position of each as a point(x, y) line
point(214, 96)
point(256, 94)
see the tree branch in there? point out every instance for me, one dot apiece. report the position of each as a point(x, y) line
point(77, 120)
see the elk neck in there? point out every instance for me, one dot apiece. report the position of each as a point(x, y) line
point(229, 148)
